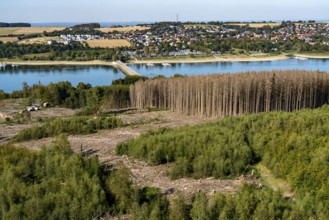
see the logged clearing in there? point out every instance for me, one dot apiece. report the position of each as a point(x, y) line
point(109, 43)
point(257, 25)
point(38, 40)
point(104, 142)
point(123, 29)
point(28, 30)
point(8, 39)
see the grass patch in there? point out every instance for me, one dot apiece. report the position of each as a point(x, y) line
point(269, 180)
point(72, 125)
point(7, 31)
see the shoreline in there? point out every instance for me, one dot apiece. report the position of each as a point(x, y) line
point(157, 61)
point(59, 63)
point(213, 59)
point(309, 56)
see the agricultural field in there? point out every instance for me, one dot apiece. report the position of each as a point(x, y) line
point(123, 29)
point(27, 30)
point(38, 40)
point(8, 39)
point(257, 25)
point(108, 43)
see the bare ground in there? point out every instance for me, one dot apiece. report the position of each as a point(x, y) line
point(104, 142)
point(8, 131)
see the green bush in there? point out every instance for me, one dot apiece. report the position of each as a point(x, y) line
point(295, 146)
point(73, 125)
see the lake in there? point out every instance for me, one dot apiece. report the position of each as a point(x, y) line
point(232, 67)
point(11, 78)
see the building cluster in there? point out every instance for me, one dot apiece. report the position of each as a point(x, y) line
point(176, 40)
point(68, 38)
point(179, 37)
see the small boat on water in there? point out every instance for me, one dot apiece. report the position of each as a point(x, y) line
point(166, 64)
point(14, 65)
point(2, 65)
point(150, 64)
point(299, 58)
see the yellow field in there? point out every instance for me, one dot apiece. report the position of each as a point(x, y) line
point(38, 40)
point(257, 25)
point(108, 43)
point(8, 39)
point(28, 30)
point(123, 29)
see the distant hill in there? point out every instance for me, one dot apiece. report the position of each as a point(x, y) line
point(3, 24)
point(89, 26)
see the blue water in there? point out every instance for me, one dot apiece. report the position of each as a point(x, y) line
point(232, 67)
point(12, 78)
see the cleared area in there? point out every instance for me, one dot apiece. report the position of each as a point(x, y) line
point(108, 43)
point(103, 144)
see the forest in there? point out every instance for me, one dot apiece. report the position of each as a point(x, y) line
point(221, 95)
point(75, 51)
point(294, 146)
point(78, 29)
point(3, 24)
point(82, 96)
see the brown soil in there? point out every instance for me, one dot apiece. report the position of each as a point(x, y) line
point(8, 131)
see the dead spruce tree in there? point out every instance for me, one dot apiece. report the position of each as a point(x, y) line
point(234, 94)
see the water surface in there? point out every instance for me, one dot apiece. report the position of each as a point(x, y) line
point(232, 67)
point(13, 78)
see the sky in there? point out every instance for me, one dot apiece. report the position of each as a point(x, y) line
point(161, 10)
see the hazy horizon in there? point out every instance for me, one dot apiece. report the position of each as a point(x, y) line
point(37, 11)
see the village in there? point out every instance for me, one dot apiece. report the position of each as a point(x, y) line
point(180, 39)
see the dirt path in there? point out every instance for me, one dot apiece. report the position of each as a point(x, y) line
point(104, 142)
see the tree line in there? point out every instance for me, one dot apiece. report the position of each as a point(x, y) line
point(72, 126)
point(74, 51)
point(81, 96)
point(221, 95)
point(3, 24)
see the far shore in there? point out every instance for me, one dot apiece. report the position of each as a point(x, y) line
point(168, 60)
point(59, 63)
point(310, 56)
point(211, 59)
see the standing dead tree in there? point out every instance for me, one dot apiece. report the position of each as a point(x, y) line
point(234, 94)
